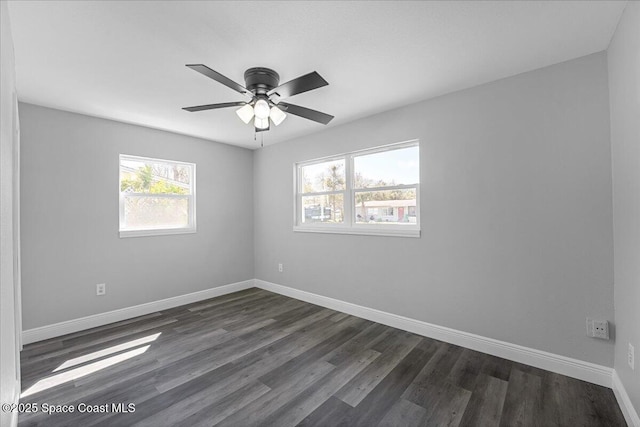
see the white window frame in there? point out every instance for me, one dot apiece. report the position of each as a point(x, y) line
point(349, 226)
point(191, 228)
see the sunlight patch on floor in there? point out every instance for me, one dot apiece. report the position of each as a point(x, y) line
point(107, 351)
point(82, 371)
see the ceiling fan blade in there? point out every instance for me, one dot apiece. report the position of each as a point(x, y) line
point(215, 106)
point(301, 84)
point(306, 113)
point(203, 69)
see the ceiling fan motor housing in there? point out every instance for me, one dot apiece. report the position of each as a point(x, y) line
point(261, 80)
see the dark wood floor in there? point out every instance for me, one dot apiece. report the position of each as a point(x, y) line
point(257, 358)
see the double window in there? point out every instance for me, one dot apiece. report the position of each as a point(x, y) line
point(156, 196)
point(373, 191)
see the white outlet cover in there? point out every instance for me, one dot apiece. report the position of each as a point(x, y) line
point(631, 357)
point(598, 329)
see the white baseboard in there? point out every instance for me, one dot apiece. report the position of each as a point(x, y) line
point(570, 367)
point(70, 326)
point(574, 368)
point(629, 412)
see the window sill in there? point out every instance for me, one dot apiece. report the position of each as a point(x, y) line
point(386, 232)
point(157, 232)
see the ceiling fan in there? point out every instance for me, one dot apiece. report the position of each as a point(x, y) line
point(266, 96)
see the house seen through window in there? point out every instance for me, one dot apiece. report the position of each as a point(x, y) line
point(373, 191)
point(156, 196)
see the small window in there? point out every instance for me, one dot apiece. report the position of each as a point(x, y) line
point(156, 197)
point(372, 191)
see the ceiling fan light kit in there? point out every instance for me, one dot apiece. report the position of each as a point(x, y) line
point(266, 96)
point(261, 109)
point(276, 115)
point(261, 124)
point(245, 113)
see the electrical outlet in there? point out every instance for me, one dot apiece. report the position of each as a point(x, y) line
point(631, 357)
point(598, 329)
point(601, 329)
point(101, 289)
point(280, 268)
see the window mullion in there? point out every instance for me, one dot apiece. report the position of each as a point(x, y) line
point(348, 197)
point(418, 205)
point(389, 188)
point(298, 189)
point(322, 193)
point(157, 195)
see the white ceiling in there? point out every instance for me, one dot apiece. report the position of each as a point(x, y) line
point(126, 60)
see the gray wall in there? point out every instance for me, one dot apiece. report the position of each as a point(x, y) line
point(9, 273)
point(624, 92)
point(70, 238)
point(516, 213)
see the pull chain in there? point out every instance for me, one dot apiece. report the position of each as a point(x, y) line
point(255, 137)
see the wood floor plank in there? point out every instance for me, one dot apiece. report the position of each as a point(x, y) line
point(277, 376)
point(567, 400)
point(560, 394)
point(297, 323)
point(222, 316)
point(597, 398)
point(404, 413)
point(136, 390)
point(254, 413)
point(449, 410)
point(379, 401)
point(295, 343)
point(164, 399)
point(338, 317)
point(230, 301)
point(465, 371)
point(523, 399)
point(366, 339)
point(209, 359)
point(205, 408)
point(310, 399)
point(358, 388)
point(434, 372)
point(230, 404)
point(225, 299)
point(225, 315)
point(328, 414)
point(486, 402)
point(273, 313)
point(258, 358)
point(244, 373)
point(496, 367)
